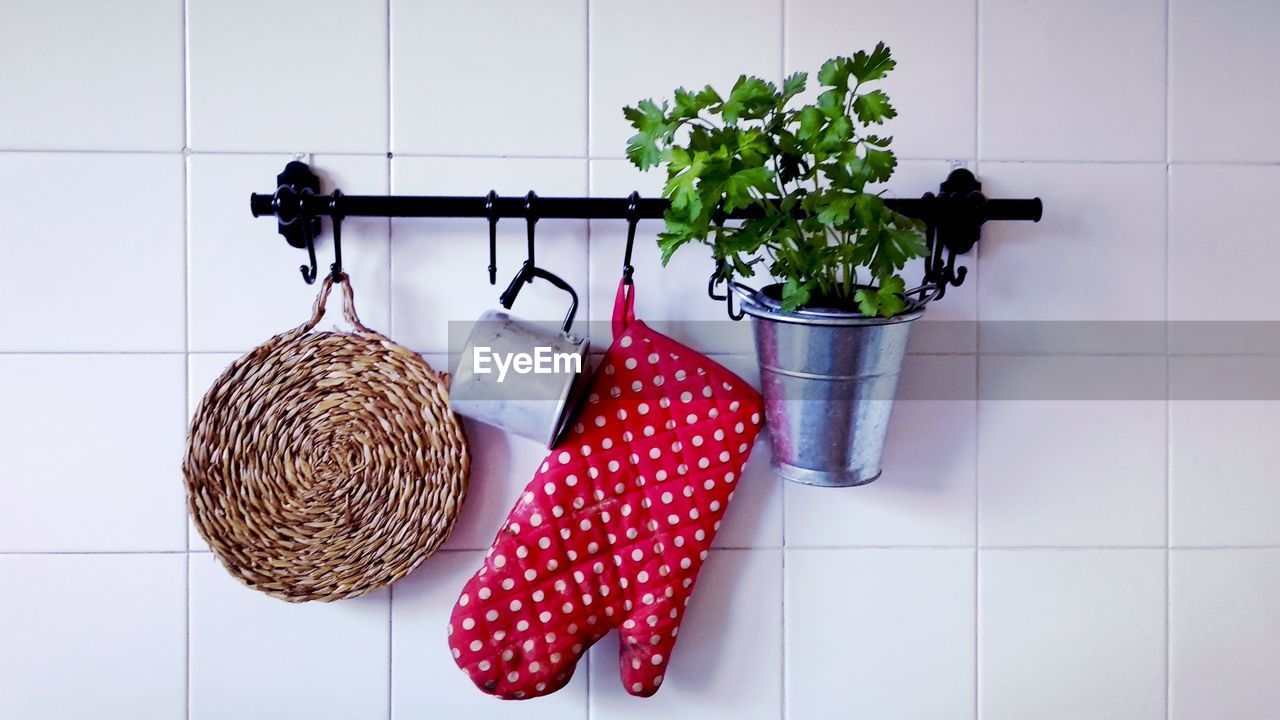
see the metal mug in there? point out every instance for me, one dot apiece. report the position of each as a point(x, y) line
point(522, 376)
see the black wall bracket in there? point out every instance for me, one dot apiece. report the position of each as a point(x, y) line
point(292, 184)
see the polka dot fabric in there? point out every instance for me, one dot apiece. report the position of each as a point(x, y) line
point(616, 523)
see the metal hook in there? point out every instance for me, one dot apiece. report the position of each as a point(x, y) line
point(531, 219)
point(728, 304)
point(490, 203)
point(335, 217)
point(309, 272)
point(633, 219)
point(717, 277)
point(720, 275)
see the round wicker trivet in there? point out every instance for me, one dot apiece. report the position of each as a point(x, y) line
point(321, 466)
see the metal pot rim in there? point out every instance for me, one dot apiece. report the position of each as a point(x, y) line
point(757, 304)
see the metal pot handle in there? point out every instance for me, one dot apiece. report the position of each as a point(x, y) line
point(528, 271)
point(717, 277)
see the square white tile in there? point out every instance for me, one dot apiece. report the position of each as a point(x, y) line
point(923, 87)
point(253, 656)
point(426, 683)
point(1071, 634)
point(244, 281)
point(1090, 276)
point(897, 644)
point(1071, 80)
point(727, 662)
point(92, 80)
point(1223, 621)
point(637, 55)
point(1223, 456)
point(95, 242)
point(93, 450)
point(1071, 451)
point(926, 494)
point(441, 276)
point(1227, 52)
point(100, 636)
point(454, 94)
point(1240, 231)
point(288, 76)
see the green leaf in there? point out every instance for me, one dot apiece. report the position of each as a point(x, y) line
point(836, 135)
point(644, 148)
point(879, 164)
point(676, 234)
point(753, 147)
point(681, 188)
point(795, 295)
point(686, 104)
point(835, 73)
point(868, 302)
point(677, 159)
point(690, 105)
point(837, 210)
point(831, 103)
point(737, 188)
point(895, 247)
point(874, 66)
point(876, 140)
point(885, 300)
point(873, 107)
point(811, 120)
point(793, 85)
point(750, 99)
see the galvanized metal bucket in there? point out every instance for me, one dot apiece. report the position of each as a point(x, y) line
point(829, 378)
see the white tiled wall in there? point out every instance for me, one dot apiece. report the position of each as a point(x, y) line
point(1075, 556)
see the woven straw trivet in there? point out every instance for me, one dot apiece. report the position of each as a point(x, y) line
point(322, 466)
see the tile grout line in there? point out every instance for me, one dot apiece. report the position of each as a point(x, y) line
point(509, 156)
point(977, 377)
point(391, 650)
point(1274, 548)
point(1144, 355)
point(782, 491)
point(751, 548)
point(1168, 410)
point(186, 334)
point(391, 614)
point(390, 155)
point(619, 158)
point(587, 160)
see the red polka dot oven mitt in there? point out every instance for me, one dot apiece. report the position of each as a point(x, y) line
point(614, 526)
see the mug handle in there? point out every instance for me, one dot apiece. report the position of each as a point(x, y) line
point(529, 271)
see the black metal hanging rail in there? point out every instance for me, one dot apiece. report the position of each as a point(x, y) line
point(954, 215)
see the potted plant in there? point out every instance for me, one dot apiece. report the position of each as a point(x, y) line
point(831, 333)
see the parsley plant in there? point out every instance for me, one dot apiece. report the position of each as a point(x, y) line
point(830, 239)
